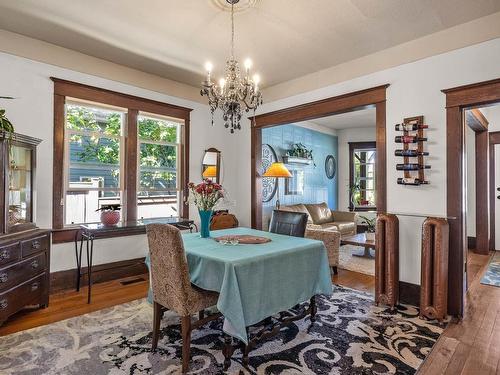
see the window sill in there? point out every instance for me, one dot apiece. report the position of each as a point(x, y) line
point(363, 209)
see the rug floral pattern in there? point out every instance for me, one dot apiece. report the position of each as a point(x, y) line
point(350, 336)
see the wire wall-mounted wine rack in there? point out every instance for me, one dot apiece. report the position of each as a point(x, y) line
point(413, 130)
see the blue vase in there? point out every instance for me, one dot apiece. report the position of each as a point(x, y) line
point(205, 217)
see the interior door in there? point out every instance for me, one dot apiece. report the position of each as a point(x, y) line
point(497, 196)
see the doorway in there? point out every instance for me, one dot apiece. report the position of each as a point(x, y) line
point(458, 101)
point(341, 114)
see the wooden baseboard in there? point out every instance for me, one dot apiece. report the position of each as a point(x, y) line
point(471, 242)
point(66, 280)
point(409, 293)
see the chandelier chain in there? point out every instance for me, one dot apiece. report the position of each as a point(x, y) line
point(232, 30)
point(237, 92)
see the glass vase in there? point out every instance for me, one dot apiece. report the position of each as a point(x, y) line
point(205, 217)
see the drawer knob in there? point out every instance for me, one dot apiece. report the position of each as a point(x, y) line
point(4, 254)
point(3, 277)
point(34, 286)
point(34, 264)
point(3, 304)
point(35, 244)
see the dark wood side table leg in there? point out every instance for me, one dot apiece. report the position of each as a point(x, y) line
point(78, 260)
point(90, 254)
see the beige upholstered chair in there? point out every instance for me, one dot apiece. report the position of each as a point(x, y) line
point(172, 288)
point(331, 239)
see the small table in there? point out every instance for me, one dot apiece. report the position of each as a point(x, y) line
point(89, 232)
point(360, 240)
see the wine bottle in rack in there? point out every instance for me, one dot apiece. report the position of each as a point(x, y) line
point(411, 181)
point(411, 167)
point(410, 127)
point(410, 153)
point(409, 139)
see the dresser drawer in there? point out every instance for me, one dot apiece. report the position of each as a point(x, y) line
point(28, 293)
point(10, 253)
point(34, 245)
point(22, 271)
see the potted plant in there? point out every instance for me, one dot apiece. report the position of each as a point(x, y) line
point(6, 126)
point(300, 151)
point(370, 227)
point(205, 197)
point(110, 214)
point(354, 194)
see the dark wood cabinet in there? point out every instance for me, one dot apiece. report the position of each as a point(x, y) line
point(24, 249)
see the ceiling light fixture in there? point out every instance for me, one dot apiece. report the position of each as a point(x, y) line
point(233, 94)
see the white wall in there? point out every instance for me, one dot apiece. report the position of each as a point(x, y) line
point(415, 89)
point(32, 114)
point(470, 145)
point(346, 136)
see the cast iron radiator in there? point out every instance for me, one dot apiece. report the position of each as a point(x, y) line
point(387, 260)
point(434, 270)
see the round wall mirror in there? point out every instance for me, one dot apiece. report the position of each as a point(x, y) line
point(211, 165)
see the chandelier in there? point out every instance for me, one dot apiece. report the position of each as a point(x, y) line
point(233, 94)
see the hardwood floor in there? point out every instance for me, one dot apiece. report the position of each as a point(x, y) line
point(470, 346)
point(355, 280)
point(69, 304)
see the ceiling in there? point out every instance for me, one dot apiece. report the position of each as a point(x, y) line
point(364, 118)
point(286, 39)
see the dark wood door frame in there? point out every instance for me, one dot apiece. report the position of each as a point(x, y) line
point(494, 139)
point(370, 98)
point(479, 124)
point(458, 99)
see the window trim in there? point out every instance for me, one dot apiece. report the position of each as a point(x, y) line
point(359, 146)
point(65, 91)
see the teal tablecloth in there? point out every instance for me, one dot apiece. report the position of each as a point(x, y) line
point(257, 281)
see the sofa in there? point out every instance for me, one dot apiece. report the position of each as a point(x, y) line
point(328, 226)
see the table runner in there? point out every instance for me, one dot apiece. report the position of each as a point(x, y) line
point(257, 281)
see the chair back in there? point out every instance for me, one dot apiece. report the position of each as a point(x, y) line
point(288, 223)
point(170, 279)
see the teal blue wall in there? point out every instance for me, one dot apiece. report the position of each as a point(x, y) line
point(317, 187)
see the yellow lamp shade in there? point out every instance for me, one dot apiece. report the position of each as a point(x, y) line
point(210, 171)
point(277, 170)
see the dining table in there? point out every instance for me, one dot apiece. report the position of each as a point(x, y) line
point(257, 281)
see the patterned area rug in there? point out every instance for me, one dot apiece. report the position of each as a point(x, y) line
point(350, 336)
point(492, 274)
point(349, 262)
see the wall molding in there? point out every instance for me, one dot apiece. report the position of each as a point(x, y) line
point(44, 52)
point(409, 293)
point(460, 36)
point(66, 280)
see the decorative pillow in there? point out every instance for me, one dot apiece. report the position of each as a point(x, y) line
point(320, 213)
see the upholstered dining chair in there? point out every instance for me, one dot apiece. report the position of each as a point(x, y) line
point(288, 223)
point(172, 288)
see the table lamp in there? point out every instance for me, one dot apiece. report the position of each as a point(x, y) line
point(210, 171)
point(277, 170)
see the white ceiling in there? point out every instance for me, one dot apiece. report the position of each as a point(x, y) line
point(364, 118)
point(285, 38)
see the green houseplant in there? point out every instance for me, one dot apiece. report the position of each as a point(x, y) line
point(6, 126)
point(370, 227)
point(298, 150)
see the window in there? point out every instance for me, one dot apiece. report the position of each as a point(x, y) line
point(362, 157)
point(94, 144)
point(112, 148)
point(158, 188)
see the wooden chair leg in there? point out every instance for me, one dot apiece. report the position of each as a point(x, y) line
point(157, 314)
point(186, 342)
